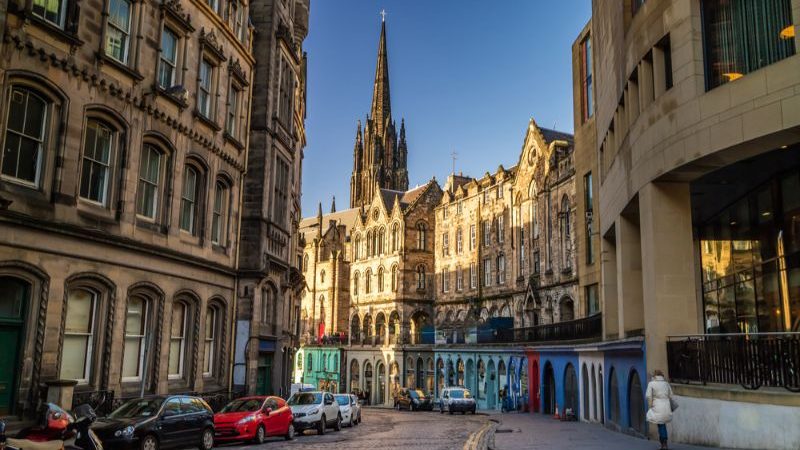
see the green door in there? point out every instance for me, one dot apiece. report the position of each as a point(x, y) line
point(13, 297)
point(264, 375)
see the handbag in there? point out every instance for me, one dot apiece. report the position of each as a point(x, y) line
point(673, 404)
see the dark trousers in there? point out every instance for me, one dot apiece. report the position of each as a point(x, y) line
point(662, 432)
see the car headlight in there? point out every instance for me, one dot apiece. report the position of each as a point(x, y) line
point(125, 432)
point(246, 420)
point(313, 411)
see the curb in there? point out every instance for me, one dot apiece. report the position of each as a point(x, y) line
point(483, 439)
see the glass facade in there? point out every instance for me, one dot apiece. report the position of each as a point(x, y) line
point(750, 260)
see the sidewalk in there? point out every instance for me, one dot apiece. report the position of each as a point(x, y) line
point(536, 431)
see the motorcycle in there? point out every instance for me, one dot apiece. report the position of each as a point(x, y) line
point(57, 430)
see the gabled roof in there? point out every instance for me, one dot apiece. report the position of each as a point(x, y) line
point(406, 198)
point(308, 226)
point(555, 135)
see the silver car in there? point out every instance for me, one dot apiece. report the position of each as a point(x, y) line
point(355, 404)
point(456, 399)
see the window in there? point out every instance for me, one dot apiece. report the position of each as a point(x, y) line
point(446, 280)
point(501, 232)
point(501, 269)
point(486, 196)
point(395, 243)
point(587, 100)
point(238, 21)
point(269, 307)
point(356, 276)
point(459, 242)
point(53, 11)
point(97, 153)
point(589, 205)
point(380, 279)
point(536, 262)
point(204, 98)
point(566, 245)
point(118, 30)
point(421, 277)
point(459, 207)
point(521, 247)
point(76, 353)
point(177, 340)
point(168, 59)
point(232, 122)
point(472, 237)
point(394, 278)
point(189, 200)
point(665, 49)
point(445, 244)
point(487, 272)
point(26, 129)
point(487, 233)
point(381, 240)
point(421, 232)
point(150, 169)
point(635, 6)
point(444, 213)
point(136, 326)
point(219, 218)
point(473, 275)
point(459, 278)
point(214, 4)
point(368, 282)
point(209, 347)
point(286, 93)
point(500, 190)
point(322, 276)
point(281, 199)
point(592, 299)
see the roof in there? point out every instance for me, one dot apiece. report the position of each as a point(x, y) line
point(406, 197)
point(346, 217)
point(550, 135)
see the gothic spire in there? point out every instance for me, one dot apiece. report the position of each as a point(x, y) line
point(333, 205)
point(381, 105)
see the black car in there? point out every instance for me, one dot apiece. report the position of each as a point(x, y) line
point(158, 422)
point(413, 400)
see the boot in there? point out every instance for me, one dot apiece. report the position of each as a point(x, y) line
point(663, 444)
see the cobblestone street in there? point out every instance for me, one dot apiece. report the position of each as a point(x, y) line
point(388, 429)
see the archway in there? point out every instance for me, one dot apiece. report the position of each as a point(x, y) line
point(571, 390)
point(411, 374)
point(440, 377)
point(421, 331)
point(636, 405)
point(420, 374)
point(14, 301)
point(585, 386)
point(601, 394)
point(481, 388)
point(566, 309)
point(355, 384)
point(594, 394)
point(451, 373)
point(394, 327)
point(429, 377)
point(368, 391)
point(470, 377)
point(613, 397)
point(355, 329)
point(512, 383)
point(535, 386)
point(460, 372)
point(394, 379)
point(380, 328)
point(381, 388)
point(524, 393)
point(502, 380)
point(366, 334)
point(549, 389)
point(491, 386)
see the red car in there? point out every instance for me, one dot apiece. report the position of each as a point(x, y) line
point(253, 419)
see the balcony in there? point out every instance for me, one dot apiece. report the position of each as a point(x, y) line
point(749, 360)
point(333, 340)
point(586, 328)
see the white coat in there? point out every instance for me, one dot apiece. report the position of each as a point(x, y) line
point(658, 396)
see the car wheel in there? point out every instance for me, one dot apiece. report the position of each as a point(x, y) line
point(290, 432)
point(441, 408)
point(464, 413)
point(413, 408)
point(352, 422)
point(260, 435)
point(338, 425)
point(321, 426)
point(473, 411)
point(150, 443)
point(207, 443)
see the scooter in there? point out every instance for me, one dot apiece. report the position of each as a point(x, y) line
point(58, 430)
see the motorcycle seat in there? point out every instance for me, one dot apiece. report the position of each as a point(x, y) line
point(24, 444)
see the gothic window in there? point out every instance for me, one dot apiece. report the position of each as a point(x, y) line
point(322, 276)
point(305, 262)
point(422, 231)
point(355, 283)
point(369, 244)
point(420, 277)
point(368, 281)
point(381, 240)
point(394, 278)
point(380, 279)
point(395, 239)
point(357, 247)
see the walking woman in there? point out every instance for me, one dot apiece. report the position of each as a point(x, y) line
point(659, 401)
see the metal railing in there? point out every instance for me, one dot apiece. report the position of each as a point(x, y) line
point(749, 360)
point(101, 401)
point(590, 327)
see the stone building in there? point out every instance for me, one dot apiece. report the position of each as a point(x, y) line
point(270, 281)
point(696, 132)
point(124, 147)
point(380, 158)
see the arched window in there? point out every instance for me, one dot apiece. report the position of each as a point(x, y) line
point(395, 239)
point(79, 335)
point(357, 247)
point(636, 404)
point(380, 279)
point(421, 283)
point(422, 231)
point(368, 281)
point(220, 213)
point(566, 309)
point(97, 165)
point(310, 363)
point(27, 124)
point(355, 328)
point(210, 339)
point(370, 244)
point(381, 241)
point(305, 262)
point(394, 278)
point(571, 389)
point(501, 269)
point(356, 277)
point(190, 196)
point(152, 180)
point(613, 397)
point(137, 325)
point(534, 223)
point(177, 339)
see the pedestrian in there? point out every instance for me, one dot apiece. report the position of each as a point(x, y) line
point(661, 405)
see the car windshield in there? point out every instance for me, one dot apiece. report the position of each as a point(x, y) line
point(305, 398)
point(243, 405)
point(460, 393)
point(417, 393)
point(342, 400)
point(140, 407)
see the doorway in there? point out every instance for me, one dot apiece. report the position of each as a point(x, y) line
point(14, 296)
point(264, 374)
point(549, 389)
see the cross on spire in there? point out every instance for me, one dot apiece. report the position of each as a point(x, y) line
point(383, 15)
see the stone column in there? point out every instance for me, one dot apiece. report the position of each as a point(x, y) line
point(668, 267)
point(609, 300)
point(629, 275)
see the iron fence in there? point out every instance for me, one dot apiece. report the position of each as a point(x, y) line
point(749, 360)
point(101, 401)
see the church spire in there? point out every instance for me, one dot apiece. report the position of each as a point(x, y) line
point(381, 104)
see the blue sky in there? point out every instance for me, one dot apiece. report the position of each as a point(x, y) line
point(466, 75)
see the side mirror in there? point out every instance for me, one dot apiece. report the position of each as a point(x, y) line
point(328, 401)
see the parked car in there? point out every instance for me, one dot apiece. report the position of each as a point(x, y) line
point(345, 409)
point(412, 400)
point(355, 403)
point(317, 410)
point(253, 419)
point(158, 422)
point(456, 399)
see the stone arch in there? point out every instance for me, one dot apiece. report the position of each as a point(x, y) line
point(636, 404)
point(566, 309)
